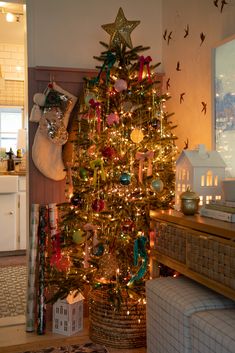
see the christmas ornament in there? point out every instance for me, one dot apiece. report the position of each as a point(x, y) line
point(98, 205)
point(78, 236)
point(157, 185)
point(136, 135)
point(76, 200)
point(98, 250)
point(142, 156)
point(120, 85)
point(120, 30)
point(98, 166)
point(144, 61)
point(108, 152)
point(83, 173)
point(140, 252)
point(112, 119)
point(91, 150)
point(125, 179)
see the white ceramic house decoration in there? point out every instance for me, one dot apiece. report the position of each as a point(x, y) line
point(202, 172)
point(68, 315)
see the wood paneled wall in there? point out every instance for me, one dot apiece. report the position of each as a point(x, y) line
point(43, 190)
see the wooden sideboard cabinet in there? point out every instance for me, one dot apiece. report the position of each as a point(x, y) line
point(198, 247)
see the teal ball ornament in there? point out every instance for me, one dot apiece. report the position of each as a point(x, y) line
point(125, 179)
point(157, 185)
point(98, 249)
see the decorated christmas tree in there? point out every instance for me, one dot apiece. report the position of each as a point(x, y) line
point(123, 165)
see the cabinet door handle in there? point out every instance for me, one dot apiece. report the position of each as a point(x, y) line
point(11, 212)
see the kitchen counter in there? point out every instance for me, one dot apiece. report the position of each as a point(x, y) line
point(14, 172)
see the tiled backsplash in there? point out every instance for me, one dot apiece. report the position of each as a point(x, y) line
point(12, 70)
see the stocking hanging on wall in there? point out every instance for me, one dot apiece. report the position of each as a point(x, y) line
point(52, 110)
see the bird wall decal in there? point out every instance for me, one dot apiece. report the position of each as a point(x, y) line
point(186, 144)
point(178, 66)
point(169, 38)
point(182, 97)
point(204, 108)
point(223, 2)
point(168, 84)
point(202, 36)
point(165, 34)
point(186, 31)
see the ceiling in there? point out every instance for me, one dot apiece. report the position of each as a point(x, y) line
point(11, 32)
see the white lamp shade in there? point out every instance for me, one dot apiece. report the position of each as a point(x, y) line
point(21, 139)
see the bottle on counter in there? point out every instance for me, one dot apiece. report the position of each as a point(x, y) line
point(10, 161)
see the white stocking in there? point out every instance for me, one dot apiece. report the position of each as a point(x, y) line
point(46, 155)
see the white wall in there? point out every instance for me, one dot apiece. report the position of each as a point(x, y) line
point(195, 77)
point(66, 33)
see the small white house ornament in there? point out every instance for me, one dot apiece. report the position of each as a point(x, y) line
point(68, 314)
point(200, 171)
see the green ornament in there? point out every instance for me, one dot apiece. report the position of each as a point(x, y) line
point(78, 237)
point(83, 173)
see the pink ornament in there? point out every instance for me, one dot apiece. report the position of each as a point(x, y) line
point(112, 119)
point(98, 205)
point(120, 85)
point(91, 150)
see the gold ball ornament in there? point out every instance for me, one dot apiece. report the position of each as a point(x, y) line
point(78, 237)
point(137, 135)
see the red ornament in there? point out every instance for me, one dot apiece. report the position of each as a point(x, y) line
point(60, 262)
point(108, 152)
point(98, 205)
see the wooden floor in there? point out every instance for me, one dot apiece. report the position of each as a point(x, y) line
point(14, 339)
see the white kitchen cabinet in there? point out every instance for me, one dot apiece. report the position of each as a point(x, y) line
point(12, 213)
point(8, 221)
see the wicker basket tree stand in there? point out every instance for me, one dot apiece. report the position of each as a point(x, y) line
point(118, 328)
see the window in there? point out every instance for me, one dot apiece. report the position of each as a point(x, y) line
point(209, 178)
point(11, 120)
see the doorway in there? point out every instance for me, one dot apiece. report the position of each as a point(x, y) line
point(13, 131)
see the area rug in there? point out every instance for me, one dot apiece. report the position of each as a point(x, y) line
point(77, 348)
point(13, 282)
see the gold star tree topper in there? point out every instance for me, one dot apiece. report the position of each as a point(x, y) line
point(120, 30)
